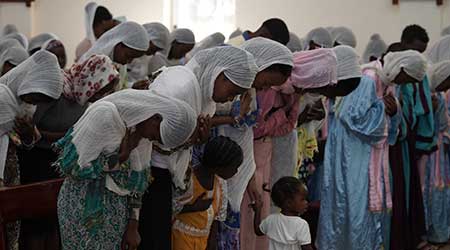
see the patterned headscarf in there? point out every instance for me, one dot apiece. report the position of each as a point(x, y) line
point(85, 79)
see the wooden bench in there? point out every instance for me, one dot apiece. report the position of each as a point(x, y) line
point(31, 201)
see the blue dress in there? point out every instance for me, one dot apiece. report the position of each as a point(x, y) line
point(436, 191)
point(345, 221)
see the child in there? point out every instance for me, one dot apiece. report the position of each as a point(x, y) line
point(286, 230)
point(198, 219)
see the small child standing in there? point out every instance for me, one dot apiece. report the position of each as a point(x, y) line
point(286, 230)
point(195, 227)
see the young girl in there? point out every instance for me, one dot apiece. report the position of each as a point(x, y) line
point(198, 219)
point(286, 230)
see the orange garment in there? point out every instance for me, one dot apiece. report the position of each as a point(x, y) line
point(190, 231)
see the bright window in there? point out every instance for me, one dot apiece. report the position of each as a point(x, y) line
point(204, 17)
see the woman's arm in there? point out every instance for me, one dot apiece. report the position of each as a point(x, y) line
point(212, 238)
point(257, 218)
point(52, 136)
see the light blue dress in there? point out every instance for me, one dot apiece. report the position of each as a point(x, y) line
point(345, 221)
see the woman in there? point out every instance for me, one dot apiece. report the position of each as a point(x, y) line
point(318, 38)
point(106, 157)
point(213, 76)
point(211, 41)
point(351, 198)
point(437, 171)
point(122, 44)
point(182, 41)
point(35, 43)
point(37, 80)
point(97, 20)
point(84, 83)
point(236, 120)
point(56, 47)
point(375, 49)
point(11, 55)
point(159, 37)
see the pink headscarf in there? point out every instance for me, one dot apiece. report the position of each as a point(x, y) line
point(85, 79)
point(312, 69)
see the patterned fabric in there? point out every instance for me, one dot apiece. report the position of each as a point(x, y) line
point(74, 234)
point(84, 79)
point(94, 212)
point(228, 235)
point(12, 179)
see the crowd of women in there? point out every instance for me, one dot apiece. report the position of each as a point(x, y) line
point(169, 143)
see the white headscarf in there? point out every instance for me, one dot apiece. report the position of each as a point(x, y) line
point(208, 42)
point(135, 106)
point(376, 48)
point(39, 40)
point(185, 36)
point(14, 56)
point(21, 38)
point(344, 36)
point(124, 111)
point(104, 124)
point(158, 34)
point(267, 52)
point(295, 44)
point(412, 62)
point(9, 29)
point(347, 62)
point(131, 34)
point(440, 50)
point(445, 31)
point(238, 66)
point(438, 73)
point(179, 82)
point(89, 16)
point(319, 36)
point(38, 74)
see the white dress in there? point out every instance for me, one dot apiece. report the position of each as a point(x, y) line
point(286, 232)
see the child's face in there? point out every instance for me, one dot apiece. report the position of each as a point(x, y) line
point(299, 203)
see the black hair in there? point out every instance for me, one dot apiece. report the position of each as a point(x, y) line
point(395, 47)
point(222, 152)
point(285, 189)
point(31, 52)
point(278, 30)
point(284, 69)
point(414, 32)
point(347, 86)
point(102, 14)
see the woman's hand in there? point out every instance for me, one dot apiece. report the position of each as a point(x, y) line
point(131, 238)
point(435, 102)
point(199, 205)
point(129, 142)
point(246, 100)
point(141, 85)
point(25, 128)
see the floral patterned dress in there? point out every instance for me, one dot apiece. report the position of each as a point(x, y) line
point(90, 215)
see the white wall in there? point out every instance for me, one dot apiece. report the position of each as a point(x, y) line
point(66, 17)
point(364, 17)
point(18, 14)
